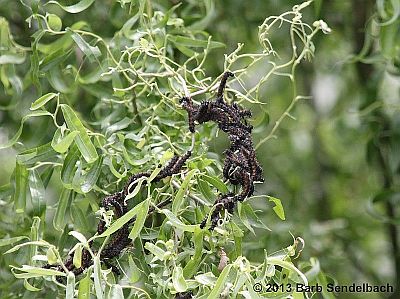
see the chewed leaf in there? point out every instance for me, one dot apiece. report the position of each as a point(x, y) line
point(278, 209)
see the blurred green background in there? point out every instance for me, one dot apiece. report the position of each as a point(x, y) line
point(336, 167)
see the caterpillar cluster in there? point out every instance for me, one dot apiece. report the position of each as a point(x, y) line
point(120, 239)
point(240, 168)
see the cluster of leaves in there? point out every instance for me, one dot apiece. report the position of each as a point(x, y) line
point(127, 86)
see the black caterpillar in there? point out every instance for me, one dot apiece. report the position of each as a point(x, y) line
point(240, 168)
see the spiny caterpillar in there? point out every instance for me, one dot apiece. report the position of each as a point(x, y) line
point(240, 168)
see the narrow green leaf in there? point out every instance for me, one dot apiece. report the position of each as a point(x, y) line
point(29, 272)
point(63, 43)
point(127, 27)
point(81, 238)
point(30, 287)
point(51, 255)
point(21, 184)
point(41, 153)
point(220, 284)
point(237, 235)
point(97, 278)
point(84, 287)
point(195, 43)
point(141, 216)
point(61, 144)
point(240, 281)
point(59, 218)
point(177, 223)
point(321, 280)
point(205, 191)
point(124, 219)
point(37, 243)
point(166, 156)
point(141, 143)
point(249, 217)
point(118, 126)
point(37, 191)
point(195, 261)
point(136, 190)
point(278, 209)
point(178, 281)
point(134, 272)
point(243, 218)
point(40, 102)
point(90, 51)
point(70, 289)
point(208, 18)
point(116, 292)
point(207, 279)
point(82, 140)
point(287, 265)
point(179, 198)
point(76, 8)
point(154, 173)
point(34, 236)
point(91, 177)
point(155, 250)
point(68, 168)
point(77, 259)
point(9, 241)
point(52, 62)
point(167, 16)
point(216, 182)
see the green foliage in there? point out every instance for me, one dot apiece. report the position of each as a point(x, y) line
point(102, 82)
